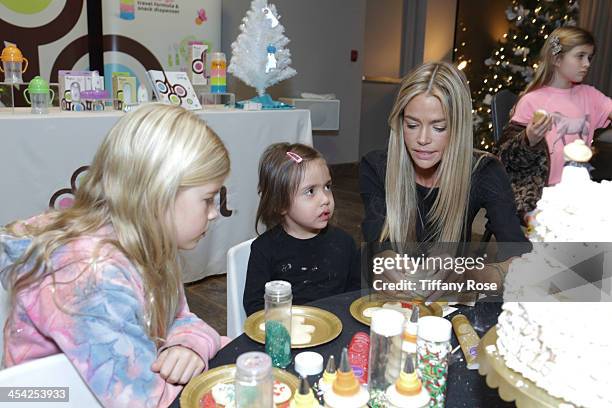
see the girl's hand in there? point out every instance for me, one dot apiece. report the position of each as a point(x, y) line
point(538, 129)
point(178, 365)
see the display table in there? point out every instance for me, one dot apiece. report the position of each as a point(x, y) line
point(466, 388)
point(39, 154)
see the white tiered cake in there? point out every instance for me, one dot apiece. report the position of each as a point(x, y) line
point(565, 348)
point(577, 209)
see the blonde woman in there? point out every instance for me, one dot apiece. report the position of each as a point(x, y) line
point(430, 183)
point(101, 281)
point(554, 109)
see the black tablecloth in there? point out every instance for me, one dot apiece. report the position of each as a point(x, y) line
point(466, 388)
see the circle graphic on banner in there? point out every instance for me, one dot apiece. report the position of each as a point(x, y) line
point(26, 7)
point(162, 87)
point(175, 100)
point(62, 199)
point(180, 91)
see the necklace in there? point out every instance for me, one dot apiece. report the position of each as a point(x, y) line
point(420, 218)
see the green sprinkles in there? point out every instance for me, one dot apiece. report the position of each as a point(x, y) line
point(278, 343)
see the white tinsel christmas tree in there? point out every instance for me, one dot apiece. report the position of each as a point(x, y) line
point(259, 57)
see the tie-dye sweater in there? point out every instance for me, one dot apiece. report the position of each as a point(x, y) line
point(94, 314)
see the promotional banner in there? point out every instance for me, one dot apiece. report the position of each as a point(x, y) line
point(142, 35)
point(51, 35)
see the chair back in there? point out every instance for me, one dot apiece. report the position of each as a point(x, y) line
point(501, 104)
point(237, 263)
point(5, 308)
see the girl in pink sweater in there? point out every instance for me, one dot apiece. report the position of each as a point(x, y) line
point(532, 145)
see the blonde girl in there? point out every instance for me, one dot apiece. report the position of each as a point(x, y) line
point(101, 281)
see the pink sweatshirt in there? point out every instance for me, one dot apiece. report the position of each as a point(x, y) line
point(94, 314)
point(576, 113)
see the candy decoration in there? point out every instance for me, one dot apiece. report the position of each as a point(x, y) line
point(433, 349)
point(358, 354)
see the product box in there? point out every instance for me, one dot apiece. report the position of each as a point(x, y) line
point(72, 83)
point(124, 90)
point(198, 69)
point(174, 88)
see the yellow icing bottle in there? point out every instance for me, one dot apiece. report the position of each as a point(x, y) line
point(346, 392)
point(304, 398)
point(408, 391)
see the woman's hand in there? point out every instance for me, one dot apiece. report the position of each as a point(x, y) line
point(446, 276)
point(537, 130)
point(178, 365)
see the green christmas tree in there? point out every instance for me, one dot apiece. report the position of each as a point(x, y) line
point(512, 63)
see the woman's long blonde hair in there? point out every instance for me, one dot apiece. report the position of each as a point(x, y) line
point(569, 37)
point(447, 216)
point(141, 165)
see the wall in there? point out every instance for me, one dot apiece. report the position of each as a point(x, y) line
point(383, 38)
point(595, 17)
point(393, 45)
point(322, 34)
point(377, 101)
point(440, 30)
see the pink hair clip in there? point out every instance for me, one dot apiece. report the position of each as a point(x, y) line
point(295, 157)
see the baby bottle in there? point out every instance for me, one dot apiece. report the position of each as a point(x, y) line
point(39, 95)
point(12, 64)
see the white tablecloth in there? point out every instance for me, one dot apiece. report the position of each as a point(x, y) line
point(39, 154)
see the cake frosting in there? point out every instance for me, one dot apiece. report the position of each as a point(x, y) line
point(563, 347)
point(575, 210)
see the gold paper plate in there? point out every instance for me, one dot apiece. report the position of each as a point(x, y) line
point(203, 383)
point(327, 325)
point(358, 306)
point(512, 386)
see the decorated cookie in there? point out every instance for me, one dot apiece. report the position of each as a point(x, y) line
point(224, 395)
point(208, 401)
point(539, 114)
point(282, 392)
point(300, 338)
point(369, 311)
point(577, 151)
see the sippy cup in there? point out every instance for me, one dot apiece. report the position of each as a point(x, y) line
point(12, 61)
point(39, 95)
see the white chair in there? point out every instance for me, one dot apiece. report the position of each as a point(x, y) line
point(237, 262)
point(51, 371)
point(5, 307)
